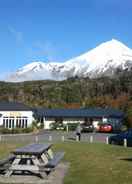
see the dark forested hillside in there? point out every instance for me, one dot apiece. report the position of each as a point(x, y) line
point(73, 93)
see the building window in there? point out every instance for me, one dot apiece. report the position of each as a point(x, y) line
point(17, 125)
point(25, 123)
point(6, 126)
point(20, 124)
point(4, 123)
point(13, 126)
point(10, 123)
point(15, 122)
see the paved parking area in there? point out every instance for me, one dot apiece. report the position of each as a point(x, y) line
point(54, 136)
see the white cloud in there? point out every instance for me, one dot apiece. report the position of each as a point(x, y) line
point(18, 35)
point(46, 49)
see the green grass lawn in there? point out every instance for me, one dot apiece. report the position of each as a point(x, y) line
point(92, 163)
point(97, 163)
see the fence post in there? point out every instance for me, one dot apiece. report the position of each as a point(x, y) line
point(36, 138)
point(0, 138)
point(50, 137)
point(125, 142)
point(63, 138)
point(91, 139)
point(77, 138)
point(107, 140)
point(67, 128)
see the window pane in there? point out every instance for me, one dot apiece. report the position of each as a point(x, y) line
point(17, 125)
point(13, 123)
point(20, 123)
point(25, 123)
point(9, 123)
point(6, 123)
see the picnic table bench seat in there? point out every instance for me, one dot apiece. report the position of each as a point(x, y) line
point(56, 159)
point(53, 162)
point(9, 159)
point(4, 163)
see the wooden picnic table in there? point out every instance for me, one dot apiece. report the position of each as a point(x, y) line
point(34, 158)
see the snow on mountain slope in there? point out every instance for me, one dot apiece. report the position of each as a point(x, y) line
point(103, 60)
point(111, 54)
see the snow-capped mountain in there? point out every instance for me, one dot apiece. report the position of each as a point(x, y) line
point(102, 60)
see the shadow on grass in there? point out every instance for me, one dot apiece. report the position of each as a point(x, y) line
point(126, 159)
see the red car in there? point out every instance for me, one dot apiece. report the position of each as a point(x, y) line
point(105, 128)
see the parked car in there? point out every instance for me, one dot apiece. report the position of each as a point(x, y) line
point(87, 127)
point(119, 138)
point(105, 128)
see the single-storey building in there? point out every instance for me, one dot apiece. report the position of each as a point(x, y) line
point(92, 115)
point(15, 115)
point(18, 115)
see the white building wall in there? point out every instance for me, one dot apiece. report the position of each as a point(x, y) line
point(15, 114)
point(47, 124)
point(49, 121)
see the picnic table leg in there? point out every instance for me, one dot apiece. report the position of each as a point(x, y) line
point(9, 171)
point(44, 158)
point(43, 174)
point(37, 162)
point(50, 153)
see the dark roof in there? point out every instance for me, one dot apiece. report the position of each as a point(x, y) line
point(13, 106)
point(90, 112)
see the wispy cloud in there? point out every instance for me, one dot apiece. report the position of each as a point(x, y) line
point(18, 35)
point(4, 75)
point(46, 49)
point(38, 49)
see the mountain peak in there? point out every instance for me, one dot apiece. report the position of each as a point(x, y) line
point(102, 60)
point(115, 44)
point(115, 40)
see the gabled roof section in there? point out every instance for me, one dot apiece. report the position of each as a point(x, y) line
point(89, 112)
point(13, 106)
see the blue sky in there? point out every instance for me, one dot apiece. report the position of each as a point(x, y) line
point(57, 30)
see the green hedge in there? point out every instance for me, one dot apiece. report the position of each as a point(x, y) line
point(15, 130)
point(61, 126)
point(72, 126)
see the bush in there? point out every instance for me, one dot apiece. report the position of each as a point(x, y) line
point(27, 130)
point(16, 130)
point(57, 126)
point(71, 126)
point(61, 126)
point(5, 131)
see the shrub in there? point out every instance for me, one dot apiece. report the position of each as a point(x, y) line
point(57, 126)
point(15, 130)
point(71, 126)
point(5, 131)
point(27, 130)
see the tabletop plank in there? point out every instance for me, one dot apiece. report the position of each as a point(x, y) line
point(32, 149)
